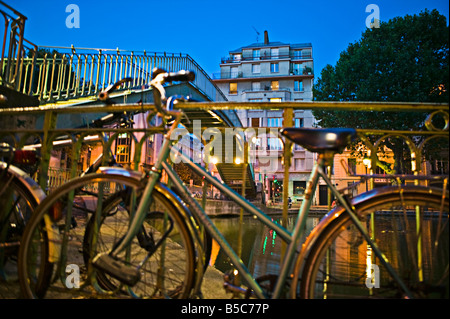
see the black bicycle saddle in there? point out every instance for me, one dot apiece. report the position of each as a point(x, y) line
point(320, 140)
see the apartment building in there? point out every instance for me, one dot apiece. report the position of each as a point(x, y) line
point(272, 72)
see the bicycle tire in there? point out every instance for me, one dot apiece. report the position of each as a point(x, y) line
point(40, 278)
point(339, 262)
point(115, 219)
point(18, 205)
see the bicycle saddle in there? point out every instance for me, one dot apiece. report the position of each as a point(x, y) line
point(320, 140)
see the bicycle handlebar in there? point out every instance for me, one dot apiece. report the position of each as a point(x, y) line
point(104, 95)
point(160, 77)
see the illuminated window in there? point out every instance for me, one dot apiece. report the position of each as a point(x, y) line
point(275, 85)
point(123, 146)
point(233, 88)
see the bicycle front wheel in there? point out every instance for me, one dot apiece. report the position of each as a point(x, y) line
point(61, 239)
point(162, 249)
point(408, 224)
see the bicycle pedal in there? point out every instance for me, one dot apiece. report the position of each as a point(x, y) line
point(117, 269)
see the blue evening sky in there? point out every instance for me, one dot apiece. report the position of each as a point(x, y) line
point(206, 29)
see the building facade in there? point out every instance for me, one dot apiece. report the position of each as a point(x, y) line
point(272, 72)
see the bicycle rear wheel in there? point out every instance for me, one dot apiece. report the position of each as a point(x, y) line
point(409, 225)
point(53, 255)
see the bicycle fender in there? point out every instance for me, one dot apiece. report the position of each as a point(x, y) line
point(26, 180)
point(121, 171)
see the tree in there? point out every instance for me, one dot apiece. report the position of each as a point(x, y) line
point(404, 60)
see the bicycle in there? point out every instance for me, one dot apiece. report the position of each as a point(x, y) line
point(162, 249)
point(19, 197)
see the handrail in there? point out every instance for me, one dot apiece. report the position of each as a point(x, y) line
point(70, 73)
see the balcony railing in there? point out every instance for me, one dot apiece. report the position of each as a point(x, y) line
point(308, 71)
point(245, 58)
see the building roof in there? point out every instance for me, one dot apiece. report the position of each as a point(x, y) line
point(272, 44)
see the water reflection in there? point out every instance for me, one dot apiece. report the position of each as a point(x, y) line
point(261, 249)
point(350, 255)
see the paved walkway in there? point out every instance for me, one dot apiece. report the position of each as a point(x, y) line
point(212, 286)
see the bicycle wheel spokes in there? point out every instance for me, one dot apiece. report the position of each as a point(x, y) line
point(412, 233)
point(162, 249)
point(52, 264)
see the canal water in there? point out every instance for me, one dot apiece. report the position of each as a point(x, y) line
point(261, 246)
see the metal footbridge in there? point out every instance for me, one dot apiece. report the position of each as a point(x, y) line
point(66, 77)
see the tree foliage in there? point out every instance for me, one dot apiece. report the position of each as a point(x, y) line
point(404, 60)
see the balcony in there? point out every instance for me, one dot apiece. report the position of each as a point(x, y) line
point(304, 72)
point(247, 58)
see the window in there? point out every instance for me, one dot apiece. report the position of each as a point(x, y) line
point(299, 164)
point(297, 54)
point(233, 88)
point(254, 122)
point(234, 72)
point(123, 145)
point(255, 100)
point(256, 54)
point(256, 68)
point(297, 68)
point(237, 57)
point(274, 67)
point(275, 122)
point(274, 53)
point(298, 122)
point(274, 86)
point(256, 86)
point(298, 86)
point(275, 99)
point(299, 187)
point(274, 143)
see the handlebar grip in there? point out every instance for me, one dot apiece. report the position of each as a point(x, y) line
point(181, 76)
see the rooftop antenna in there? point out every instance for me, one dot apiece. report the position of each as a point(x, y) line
point(257, 34)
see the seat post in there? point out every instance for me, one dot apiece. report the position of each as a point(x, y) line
point(326, 158)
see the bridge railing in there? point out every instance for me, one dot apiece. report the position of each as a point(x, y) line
point(426, 156)
point(63, 73)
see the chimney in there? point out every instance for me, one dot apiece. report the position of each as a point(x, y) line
point(266, 37)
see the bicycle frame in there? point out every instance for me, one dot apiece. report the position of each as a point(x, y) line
point(291, 238)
